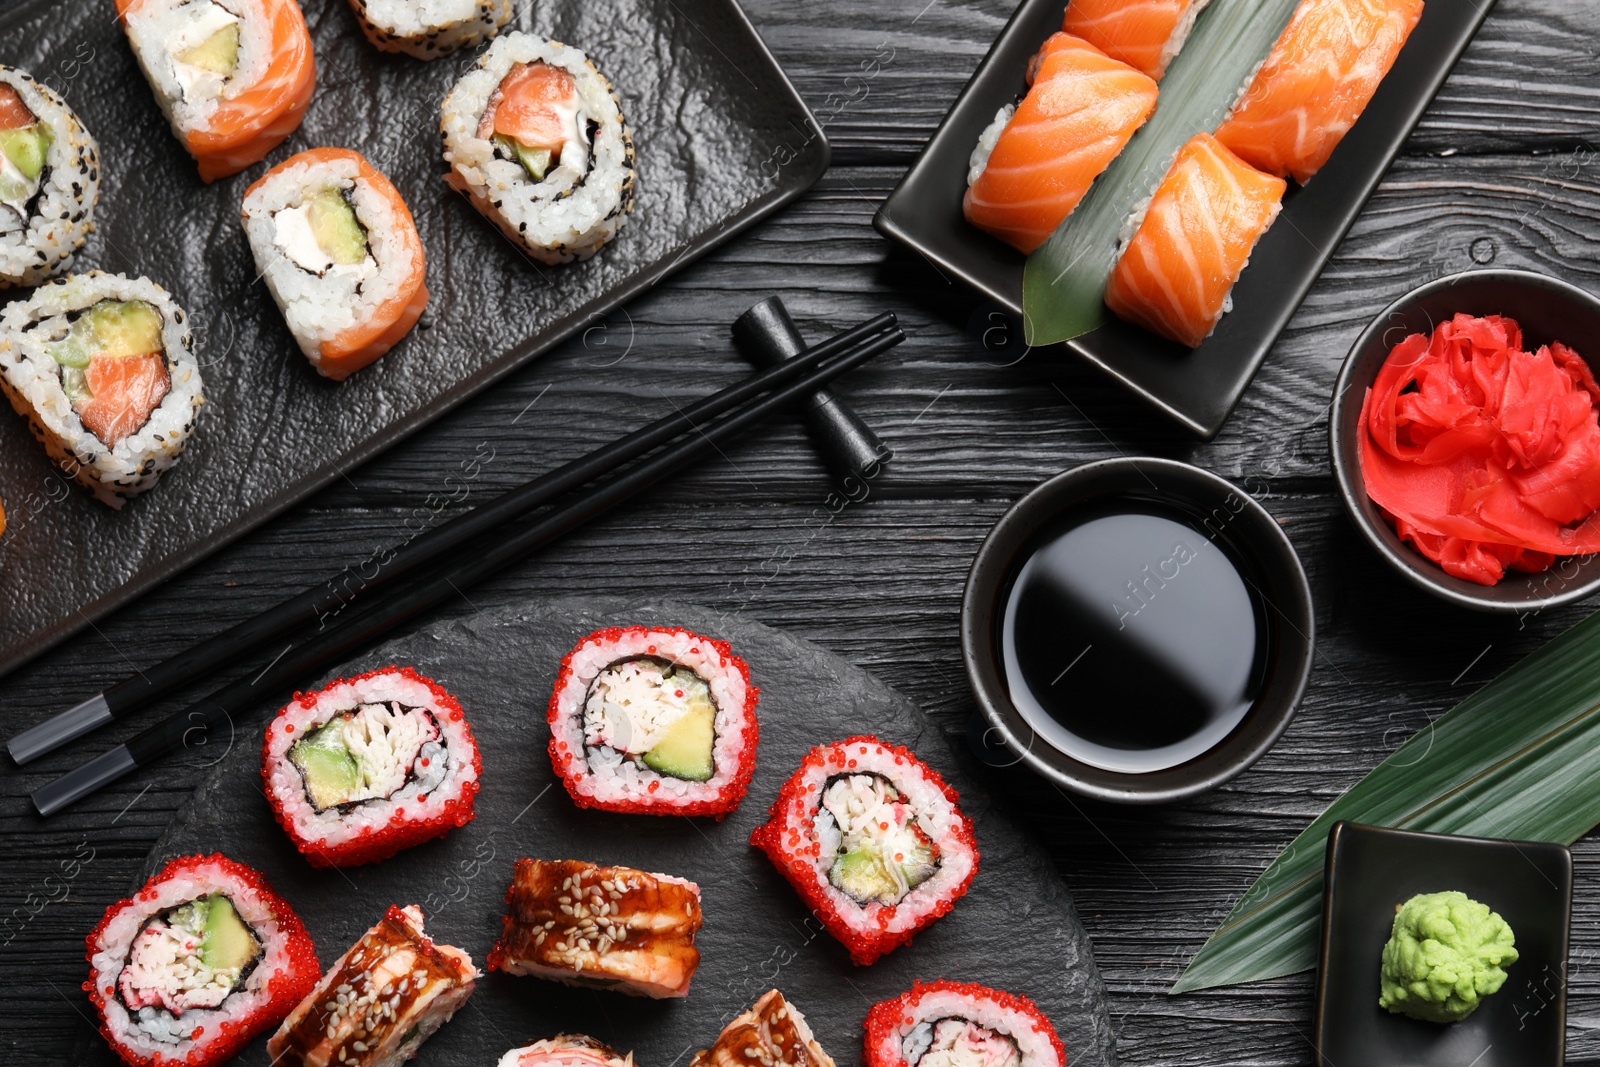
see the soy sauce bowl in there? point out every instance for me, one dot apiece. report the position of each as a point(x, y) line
point(1547, 310)
point(1218, 511)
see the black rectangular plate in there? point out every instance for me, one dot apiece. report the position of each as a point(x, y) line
point(1372, 870)
point(1198, 389)
point(716, 124)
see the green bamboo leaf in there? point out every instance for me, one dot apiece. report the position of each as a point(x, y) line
point(1520, 758)
point(1064, 283)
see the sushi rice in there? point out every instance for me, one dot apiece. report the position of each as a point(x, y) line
point(566, 1050)
point(427, 29)
point(42, 229)
point(954, 1024)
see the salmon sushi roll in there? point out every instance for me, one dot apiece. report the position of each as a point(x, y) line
point(1316, 82)
point(605, 927)
point(339, 250)
point(233, 77)
point(773, 1033)
point(566, 1050)
point(375, 1007)
point(196, 964)
point(959, 1024)
point(1145, 34)
point(49, 181)
point(101, 366)
point(874, 842)
point(432, 28)
point(1177, 273)
point(1038, 158)
point(535, 137)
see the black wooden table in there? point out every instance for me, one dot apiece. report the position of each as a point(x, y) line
point(1501, 171)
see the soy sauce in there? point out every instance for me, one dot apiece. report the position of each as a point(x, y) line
point(1133, 637)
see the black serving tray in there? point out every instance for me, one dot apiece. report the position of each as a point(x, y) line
point(272, 431)
point(1198, 389)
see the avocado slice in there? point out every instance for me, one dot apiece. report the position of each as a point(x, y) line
point(27, 148)
point(228, 943)
point(330, 772)
point(218, 53)
point(536, 161)
point(334, 225)
point(861, 873)
point(124, 328)
point(684, 751)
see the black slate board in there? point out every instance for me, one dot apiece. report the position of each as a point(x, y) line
point(722, 141)
point(1016, 929)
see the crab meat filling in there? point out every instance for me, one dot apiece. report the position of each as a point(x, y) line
point(954, 1042)
point(370, 753)
point(871, 843)
point(656, 714)
point(188, 957)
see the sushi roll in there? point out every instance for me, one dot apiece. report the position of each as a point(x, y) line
point(654, 720)
point(233, 79)
point(872, 840)
point(1176, 275)
point(607, 927)
point(101, 367)
point(535, 137)
point(381, 1000)
point(566, 1050)
point(430, 29)
point(1316, 82)
point(339, 251)
point(199, 961)
point(1037, 159)
point(1145, 34)
point(955, 1024)
point(49, 181)
point(773, 1033)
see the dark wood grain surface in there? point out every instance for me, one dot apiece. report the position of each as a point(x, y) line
point(1501, 171)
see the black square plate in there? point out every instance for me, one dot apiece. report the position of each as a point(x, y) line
point(723, 140)
point(1197, 388)
point(1372, 870)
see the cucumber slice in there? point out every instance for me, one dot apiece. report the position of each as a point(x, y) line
point(536, 161)
point(27, 149)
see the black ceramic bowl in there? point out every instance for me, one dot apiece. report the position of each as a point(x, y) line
point(1547, 310)
point(1252, 537)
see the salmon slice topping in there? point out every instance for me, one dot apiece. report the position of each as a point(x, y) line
point(123, 391)
point(14, 114)
point(1141, 33)
point(537, 106)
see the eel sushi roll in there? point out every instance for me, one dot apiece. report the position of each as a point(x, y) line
point(339, 250)
point(566, 1050)
point(49, 181)
point(872, 840)
point(1145, 34)
point(1177, 273)
point(370, 765)
point(604, 927)
point(432, 28)
point(101, 367)
point(380, 1002)
point(1038, 158)
point(1318, 79)
point(535, 137)
point(233, 77)
point(773, 1033)
point(955, 1024)
point(656, 721)
point(199, 961)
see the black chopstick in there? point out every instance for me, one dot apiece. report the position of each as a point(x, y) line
point(135, 692)
point(192, 726)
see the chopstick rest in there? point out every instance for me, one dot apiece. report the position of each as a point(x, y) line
point(766, 336)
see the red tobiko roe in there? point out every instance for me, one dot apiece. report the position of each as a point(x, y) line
point(1486, 457)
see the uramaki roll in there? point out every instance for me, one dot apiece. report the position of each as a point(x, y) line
point(49, 181)
point(944, 1023)
point(428, 29)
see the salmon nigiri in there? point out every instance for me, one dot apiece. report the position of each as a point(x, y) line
point(1145, 34)
point(1317, 80)
point(1177, 272)
point(1031, 167)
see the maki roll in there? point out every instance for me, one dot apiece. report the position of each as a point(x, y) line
point(773, 1033)
point(199, 961)
point(431, 29)
point(233, 77)
point(380, 1002)
point(566, 1050)
point(535, 137)
point(370, 765)
point(608, 927)
point(101, 367)
point(340, 253)
point(654, 720)
point(872, 840)
point(955, 1024)
point(49, 181)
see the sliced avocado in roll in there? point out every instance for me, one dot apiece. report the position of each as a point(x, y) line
point(228, 943)
point(330, 773)
point(334, 225)
point(684, 750)
point(218, 53)
point(862, 874)
point(111, 328)
point(26, 149)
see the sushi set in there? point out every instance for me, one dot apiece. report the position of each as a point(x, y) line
point(543, 857)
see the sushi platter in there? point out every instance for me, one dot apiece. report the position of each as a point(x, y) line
point(1014, 929)
point(272, 430)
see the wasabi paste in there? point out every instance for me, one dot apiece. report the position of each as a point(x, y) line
point(1446, 953)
